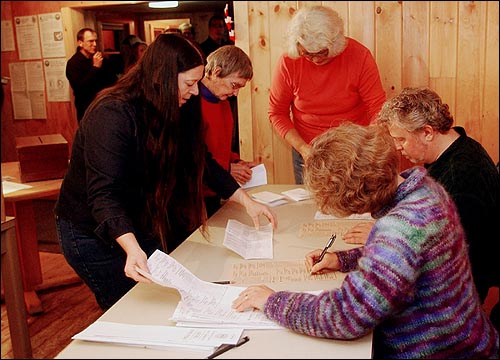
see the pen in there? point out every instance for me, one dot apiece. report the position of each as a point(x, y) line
point(225, 282)
point(328, 245)
point(225, 347)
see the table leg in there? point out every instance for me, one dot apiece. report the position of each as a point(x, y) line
point(16, 310)
point(28, 253)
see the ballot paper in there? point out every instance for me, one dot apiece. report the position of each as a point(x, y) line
point(160, 337)
point(249, 242)
point(320, 216)
point(259, 177)
point(297, 194)
point(269, 198)
point(203, 303)
point(10, 187)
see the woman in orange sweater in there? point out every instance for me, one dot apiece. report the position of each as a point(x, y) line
point(325, 78)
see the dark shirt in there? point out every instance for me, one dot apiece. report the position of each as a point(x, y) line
point(103, 191)
point(209, 45)
point(469, 175)
point(87, 80)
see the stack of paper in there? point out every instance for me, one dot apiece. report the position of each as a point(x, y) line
point(269, 198)
point(202, 304)
point(159, 337)
point(320, 216)
point(297, 194)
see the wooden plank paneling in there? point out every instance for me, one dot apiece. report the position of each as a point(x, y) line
point(488, 135)
point(388, 45)
point(362, 23)
point(470, 63)
point(258, 19)
point(415, 44)
point(280, 13)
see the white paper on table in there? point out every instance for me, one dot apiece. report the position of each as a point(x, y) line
point(10, 187)
point(320, 216)
point(297, 194)
point(259, 177)
point(269, 198)
point(202, 302)
point(201, 339)
point(249, 242)
point(168, 272)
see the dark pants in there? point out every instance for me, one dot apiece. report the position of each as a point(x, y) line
point(100, 265)
point(298, 166)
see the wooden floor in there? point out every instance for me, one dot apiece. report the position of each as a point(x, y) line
point(68, 310)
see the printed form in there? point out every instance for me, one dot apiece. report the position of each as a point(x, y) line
point(202, 304)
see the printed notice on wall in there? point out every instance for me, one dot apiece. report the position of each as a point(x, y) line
point(51, 34)
point(8, 36)
point(28, 90)
point(28, 37)
point(56, 82)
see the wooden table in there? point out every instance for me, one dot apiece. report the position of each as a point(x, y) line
point(152, 304)
point(19, 204)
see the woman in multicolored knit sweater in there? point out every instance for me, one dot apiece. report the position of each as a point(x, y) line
point(411, 283)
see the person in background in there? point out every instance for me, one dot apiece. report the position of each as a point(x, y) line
point(171, 29)
point(187, 30)
point(137, 50)
point(323, 79)
point(87, 71)
point(411, 284)
point(228, 69)
point(217, 35)
point(138, 161)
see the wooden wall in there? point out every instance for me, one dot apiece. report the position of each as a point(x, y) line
point(449, 46)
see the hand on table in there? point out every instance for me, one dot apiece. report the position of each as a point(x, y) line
point(358, 234)
point(253, 297)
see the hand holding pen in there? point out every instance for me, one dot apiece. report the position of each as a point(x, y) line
point(328, 245)
point(315, 260)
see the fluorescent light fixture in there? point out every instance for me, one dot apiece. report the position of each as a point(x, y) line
point(163, 4)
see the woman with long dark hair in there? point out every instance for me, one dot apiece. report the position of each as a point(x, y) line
point(138, 162)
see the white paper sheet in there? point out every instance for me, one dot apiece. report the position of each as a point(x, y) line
point(203, 303)
point(249, 242)
point(320, 216)
point(10, 187)
point(259, 177)
point(201, 339)
point(269, 198)
point(297, 194)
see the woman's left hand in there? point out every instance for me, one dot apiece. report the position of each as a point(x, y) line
point(253, 297)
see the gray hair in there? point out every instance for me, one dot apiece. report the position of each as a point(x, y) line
point(414, 108)
point(316, 28)
point(231, 59)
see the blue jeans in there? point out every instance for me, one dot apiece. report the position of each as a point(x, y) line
point(298, 166)
point(100, 264)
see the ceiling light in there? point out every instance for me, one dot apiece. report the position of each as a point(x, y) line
point(163, 4)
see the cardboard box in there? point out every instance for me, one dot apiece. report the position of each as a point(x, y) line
point(42, 157)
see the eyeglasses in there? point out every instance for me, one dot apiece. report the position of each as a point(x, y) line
point(236, 86)
point(308, 55)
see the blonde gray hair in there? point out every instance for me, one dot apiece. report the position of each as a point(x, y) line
point(352, 169)
point(231, 59)
point(316, 28)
